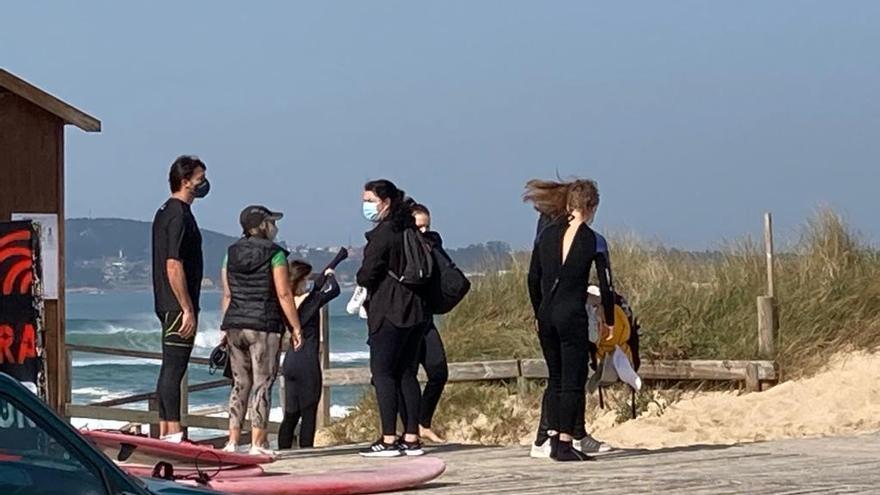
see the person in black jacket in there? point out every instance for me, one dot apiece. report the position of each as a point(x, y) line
point(432, 355)
point(396, 317)
point(302, 368)
point(558, 278)
point(258, 307)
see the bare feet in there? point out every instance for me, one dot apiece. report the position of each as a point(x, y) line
point(429, 435)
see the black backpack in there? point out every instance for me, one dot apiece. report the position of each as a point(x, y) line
point(418, 266)
point(450, 284)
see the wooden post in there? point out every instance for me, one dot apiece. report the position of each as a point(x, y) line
point(753, 382)
point(766, 327)
point(768, 250)
point(767, 320)
point(153, 405)
point(69, 395)
point(324, 350)
point(184, 402)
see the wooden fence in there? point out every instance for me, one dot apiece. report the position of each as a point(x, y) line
point(753, 374)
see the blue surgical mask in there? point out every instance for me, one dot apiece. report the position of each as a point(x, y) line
point(371, 211)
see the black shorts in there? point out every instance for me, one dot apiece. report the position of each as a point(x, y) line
point(171, 322)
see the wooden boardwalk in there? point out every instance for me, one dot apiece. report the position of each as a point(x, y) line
point(824, 465)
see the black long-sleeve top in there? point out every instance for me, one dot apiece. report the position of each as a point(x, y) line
point(387, 298)
point(558, 290)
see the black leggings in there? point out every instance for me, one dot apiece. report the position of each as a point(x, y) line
point(394, 361)
point(432, 357)
point(306, 431)
point(566, 354)
point(580, 427)
point(175, 359)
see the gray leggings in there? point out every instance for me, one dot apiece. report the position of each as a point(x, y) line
point(253, 357)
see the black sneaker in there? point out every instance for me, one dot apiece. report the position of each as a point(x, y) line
point(382, 449)
point(566, 453)
point(410, 448)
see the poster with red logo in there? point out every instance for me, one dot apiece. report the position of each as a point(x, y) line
point(20, 301)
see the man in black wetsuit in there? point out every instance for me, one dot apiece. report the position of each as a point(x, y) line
point(177, 280)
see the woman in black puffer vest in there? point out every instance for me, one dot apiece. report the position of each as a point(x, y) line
point(258, 307)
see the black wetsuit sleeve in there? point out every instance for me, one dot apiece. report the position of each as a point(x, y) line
point(374, 268)
point(329, 290)
point(534, 279)
point(319, 298)
point(606, 285)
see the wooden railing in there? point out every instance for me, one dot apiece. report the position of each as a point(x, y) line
point(752, 373)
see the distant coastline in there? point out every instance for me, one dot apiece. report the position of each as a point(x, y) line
point(114, 254)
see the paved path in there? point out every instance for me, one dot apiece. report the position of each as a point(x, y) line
point(824, 465)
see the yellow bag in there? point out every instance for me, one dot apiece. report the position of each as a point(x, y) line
point(618, 338)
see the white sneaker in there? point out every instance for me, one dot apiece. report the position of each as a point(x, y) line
point(591, 446)
point(540, 451)
point(257, 450)
point(173, 438)
point(230, 447)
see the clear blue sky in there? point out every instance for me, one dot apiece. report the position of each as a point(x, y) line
point(694, 116)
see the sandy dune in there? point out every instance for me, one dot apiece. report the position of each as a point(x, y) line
point(840, 400)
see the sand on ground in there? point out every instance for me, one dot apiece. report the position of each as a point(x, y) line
point(842, 399)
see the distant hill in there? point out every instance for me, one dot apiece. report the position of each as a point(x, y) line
point(90, 241)
point(116, 253)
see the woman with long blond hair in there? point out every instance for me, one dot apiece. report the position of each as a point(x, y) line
point(563, 256)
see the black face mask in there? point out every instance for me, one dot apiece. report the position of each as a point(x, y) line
point(202, 189)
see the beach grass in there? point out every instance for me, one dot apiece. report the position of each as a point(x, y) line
point(691, 306)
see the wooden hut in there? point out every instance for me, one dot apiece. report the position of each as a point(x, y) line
point(32, 182)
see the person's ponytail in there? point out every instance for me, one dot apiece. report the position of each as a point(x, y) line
point(555, 199)
point(548, 197)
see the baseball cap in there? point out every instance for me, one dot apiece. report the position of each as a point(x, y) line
point(253, 216)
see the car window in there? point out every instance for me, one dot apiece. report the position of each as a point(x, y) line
point(34, 462)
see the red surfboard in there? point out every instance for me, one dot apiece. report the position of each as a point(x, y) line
point(394, 474)
point(136, 449)
point(214, 472)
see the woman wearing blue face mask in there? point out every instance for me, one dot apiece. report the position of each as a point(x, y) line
point(396, 316)
point(258, 306)
point(302, 368)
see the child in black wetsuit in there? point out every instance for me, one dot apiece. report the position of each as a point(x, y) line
point(302, 368)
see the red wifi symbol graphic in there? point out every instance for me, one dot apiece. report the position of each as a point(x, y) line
point(20, 277)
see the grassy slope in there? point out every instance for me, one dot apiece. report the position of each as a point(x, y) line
point(691, 306)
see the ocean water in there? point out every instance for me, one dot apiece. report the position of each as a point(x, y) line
point(126, 320)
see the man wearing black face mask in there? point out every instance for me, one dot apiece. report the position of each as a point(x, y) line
point(177, 280)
